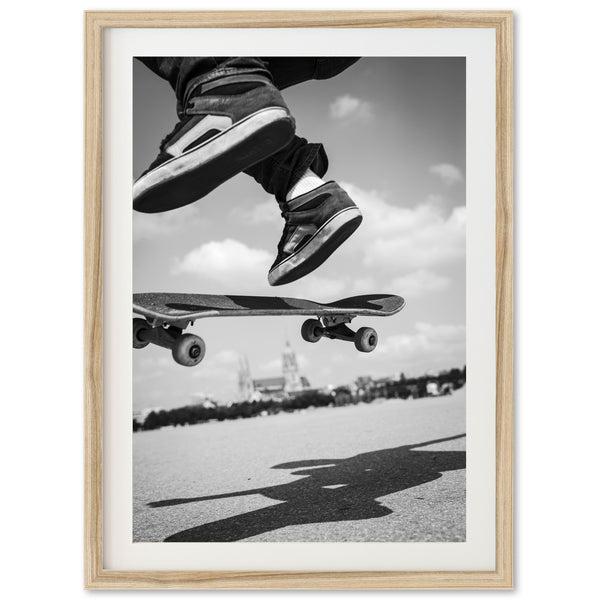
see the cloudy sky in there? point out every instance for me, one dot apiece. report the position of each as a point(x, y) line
point(394, 130)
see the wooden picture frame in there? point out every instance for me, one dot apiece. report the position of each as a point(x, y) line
point(96, 576)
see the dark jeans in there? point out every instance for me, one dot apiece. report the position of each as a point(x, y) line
point(282, 170)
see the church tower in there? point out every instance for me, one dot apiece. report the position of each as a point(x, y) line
point(293, 383)
point(245, 383)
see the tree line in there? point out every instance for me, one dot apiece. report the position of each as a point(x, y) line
point(367, 391)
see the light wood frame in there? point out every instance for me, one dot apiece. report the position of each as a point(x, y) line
point(96, 577)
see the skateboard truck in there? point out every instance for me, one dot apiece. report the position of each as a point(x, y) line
point(335, 327)
point(187, 349)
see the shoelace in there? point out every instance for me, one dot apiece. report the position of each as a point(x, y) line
point(286, 214)
point(286, 230)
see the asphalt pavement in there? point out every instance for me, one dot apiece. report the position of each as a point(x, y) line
point(390, 471)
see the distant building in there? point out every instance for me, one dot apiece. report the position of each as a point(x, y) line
point(364, 382)
point(203, 399)
point(289, 383)
point(367, 386)
point(432, 388)
point(246, 389)
point(291, 375)
point(275, 387)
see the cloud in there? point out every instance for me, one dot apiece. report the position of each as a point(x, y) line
point(406, 239)
point(151, 226)
point(235, 265)
point(349, 107)
point(447, 172)
point(262, 212)
point(419, 282)
point(428, 347)
point(397, 248)
point(228, 262)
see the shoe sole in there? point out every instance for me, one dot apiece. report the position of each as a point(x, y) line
point(191, 176)
point(328, 238)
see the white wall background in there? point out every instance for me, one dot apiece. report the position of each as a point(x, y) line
point(557, 326)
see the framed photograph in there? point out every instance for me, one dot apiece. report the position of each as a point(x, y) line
point(341, 183)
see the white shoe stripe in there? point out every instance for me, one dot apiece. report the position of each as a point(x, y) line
point(219, 122)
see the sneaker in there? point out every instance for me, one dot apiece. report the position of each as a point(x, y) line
point(228, 125)
point(316, 224)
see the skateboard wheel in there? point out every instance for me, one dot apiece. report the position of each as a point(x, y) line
point(365, 339)
point(139, 325)
point(188, 350)
point(312, 330)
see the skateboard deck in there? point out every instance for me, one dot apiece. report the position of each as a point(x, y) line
point(166, 315)
point(180, 308)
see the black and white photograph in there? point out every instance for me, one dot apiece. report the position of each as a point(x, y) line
point(299, 299)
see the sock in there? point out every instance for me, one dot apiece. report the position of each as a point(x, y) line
point(308, 182)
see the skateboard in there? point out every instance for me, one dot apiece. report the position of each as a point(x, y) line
point(167, 315)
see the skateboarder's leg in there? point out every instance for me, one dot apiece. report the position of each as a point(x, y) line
point(282, 170)
point(319, 216)
point(184, 72)
point(288, 71)
point(231, 117)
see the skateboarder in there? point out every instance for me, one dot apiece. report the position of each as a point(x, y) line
point(232, 118)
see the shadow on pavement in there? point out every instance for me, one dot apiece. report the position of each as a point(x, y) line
point(330, 490)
